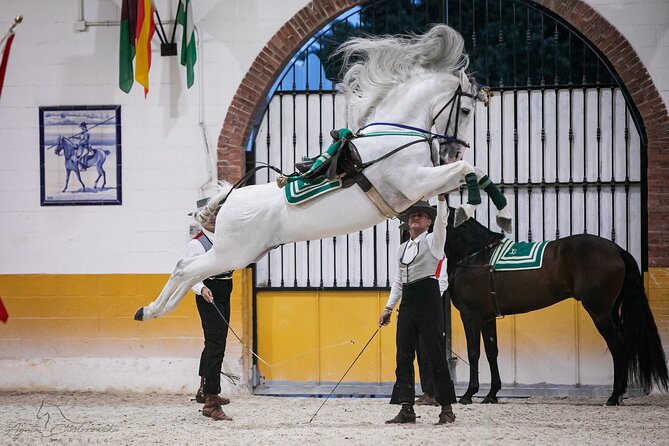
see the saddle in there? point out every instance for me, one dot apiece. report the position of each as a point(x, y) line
point(340, 159)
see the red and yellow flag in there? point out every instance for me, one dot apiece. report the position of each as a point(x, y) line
point(145, 29)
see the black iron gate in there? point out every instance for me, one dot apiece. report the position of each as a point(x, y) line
point(561, 136)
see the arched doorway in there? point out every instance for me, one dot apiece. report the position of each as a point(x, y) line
point(563, 139)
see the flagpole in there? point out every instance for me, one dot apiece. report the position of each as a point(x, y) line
point(18, 19)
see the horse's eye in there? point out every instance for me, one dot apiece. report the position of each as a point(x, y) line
point(465, 111)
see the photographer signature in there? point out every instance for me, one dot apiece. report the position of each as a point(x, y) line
point(52, 422)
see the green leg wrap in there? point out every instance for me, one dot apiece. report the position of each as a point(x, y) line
point(473, 193)
point(493, 192)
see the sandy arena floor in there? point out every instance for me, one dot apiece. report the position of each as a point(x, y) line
point(89, 418)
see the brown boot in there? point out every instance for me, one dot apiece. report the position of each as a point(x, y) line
point(426, 400)
point(199, 396)
point(212, 408)
point(446, 416)
point(220, 400)
point(405, 415)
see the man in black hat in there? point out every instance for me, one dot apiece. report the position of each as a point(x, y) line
point(212, 291)
point(420, 310)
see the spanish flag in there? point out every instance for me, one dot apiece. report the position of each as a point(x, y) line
point(145, 29)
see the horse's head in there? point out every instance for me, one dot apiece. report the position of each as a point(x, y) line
point(454, 114)
point(59, 145)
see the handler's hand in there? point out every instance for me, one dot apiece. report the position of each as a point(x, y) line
point(384, 319)
point(206, 294)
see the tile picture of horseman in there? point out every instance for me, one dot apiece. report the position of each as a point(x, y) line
point(80, 155)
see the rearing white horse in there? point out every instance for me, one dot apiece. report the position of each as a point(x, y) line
point(414, 82)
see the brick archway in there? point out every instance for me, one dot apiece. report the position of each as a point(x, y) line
point(249, 98)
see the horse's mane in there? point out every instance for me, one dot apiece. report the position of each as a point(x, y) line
point(382, 63)
point(468, 239)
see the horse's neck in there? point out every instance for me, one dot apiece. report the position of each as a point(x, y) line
point(410, 103)
point(68, 147)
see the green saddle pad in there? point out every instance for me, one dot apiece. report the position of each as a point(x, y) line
point(298, 191)
point(515, 256)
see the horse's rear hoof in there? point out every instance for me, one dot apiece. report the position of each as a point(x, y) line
point(489, 400)
point(465, 400)
point(139, 315)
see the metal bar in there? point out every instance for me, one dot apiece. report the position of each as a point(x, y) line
point(543, 131)
point(294, 96)
point(269, 144)
point(613, 165)
point(528, 44)
point(557, 135)
point(306, 131)
point(585, 151)
point(281, 163)
point(320, 146)
point(599, 159)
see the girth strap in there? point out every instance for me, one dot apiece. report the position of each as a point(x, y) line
point(493, 292)
point(367, 187)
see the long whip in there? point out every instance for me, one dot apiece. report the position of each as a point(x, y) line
point(238, 338)
point(342, 378)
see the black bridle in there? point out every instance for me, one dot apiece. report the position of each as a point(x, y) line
point(455, 103)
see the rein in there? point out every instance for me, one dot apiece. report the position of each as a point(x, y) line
point(462, 264)
point(447, 139)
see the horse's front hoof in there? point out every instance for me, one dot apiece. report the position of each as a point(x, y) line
point(139, 315)
point(465, 400)
point(489, 400)
point(613, 401)
point(505, 224)
point(460, 217)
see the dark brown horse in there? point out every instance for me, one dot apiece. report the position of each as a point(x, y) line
point(595, 271)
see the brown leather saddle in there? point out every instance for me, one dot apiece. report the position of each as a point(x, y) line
point(345, 163)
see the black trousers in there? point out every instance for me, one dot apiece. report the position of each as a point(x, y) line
point(215, 333)
point(424, 365)
point(420, 316)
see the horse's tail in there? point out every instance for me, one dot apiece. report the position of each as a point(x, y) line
point(214, 203)
point(643, 347)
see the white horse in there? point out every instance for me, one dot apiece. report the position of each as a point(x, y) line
point(416, 81)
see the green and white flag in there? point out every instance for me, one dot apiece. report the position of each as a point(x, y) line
point(188, 51)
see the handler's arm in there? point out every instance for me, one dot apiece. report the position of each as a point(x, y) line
point(438, 236)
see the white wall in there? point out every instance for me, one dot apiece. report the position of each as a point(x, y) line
point(645, 24)
point(164, 161)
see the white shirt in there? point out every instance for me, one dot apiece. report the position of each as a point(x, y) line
point(435, 241)
point(194, 249)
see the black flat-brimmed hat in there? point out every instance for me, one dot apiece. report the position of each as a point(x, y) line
point(421, 206)
point(201, 203)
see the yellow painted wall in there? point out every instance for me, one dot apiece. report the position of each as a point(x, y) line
point(305, 337)
point(90, 315)
point(315, 336)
